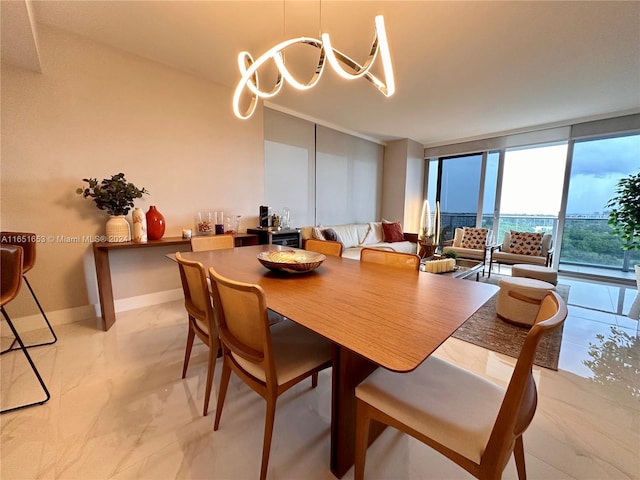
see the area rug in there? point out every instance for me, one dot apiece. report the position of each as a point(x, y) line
point(486, 330)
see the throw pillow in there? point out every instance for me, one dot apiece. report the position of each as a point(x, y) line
point(316, 232)
point(525, 243)
point(474, 238)
point(392, 232)
point(330, 234)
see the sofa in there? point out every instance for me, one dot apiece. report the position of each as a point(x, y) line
point(356, 236)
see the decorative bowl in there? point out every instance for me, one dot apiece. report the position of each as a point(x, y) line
point(291, 261)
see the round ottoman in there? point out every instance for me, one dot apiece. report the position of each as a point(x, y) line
point(519, 299)
point(546, 274)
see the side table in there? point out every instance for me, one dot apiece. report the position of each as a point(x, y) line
point(289, 238)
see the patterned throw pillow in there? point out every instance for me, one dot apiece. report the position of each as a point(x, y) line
point(392, 232)
point(316, 232)
point(474, 238)
point(525, 243)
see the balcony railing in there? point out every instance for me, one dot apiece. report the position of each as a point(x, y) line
point(587, 240)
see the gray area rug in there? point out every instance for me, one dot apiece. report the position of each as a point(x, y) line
point(486, 330)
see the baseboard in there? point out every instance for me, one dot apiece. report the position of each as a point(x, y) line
point(77, 314)
point(131, 303)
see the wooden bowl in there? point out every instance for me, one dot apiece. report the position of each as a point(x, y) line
point(291, 261)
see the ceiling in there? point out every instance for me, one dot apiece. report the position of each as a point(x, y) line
point(464, 70)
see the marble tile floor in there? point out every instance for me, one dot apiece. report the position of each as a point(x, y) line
point(119, 409)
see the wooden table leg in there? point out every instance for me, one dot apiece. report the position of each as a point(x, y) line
point(105, 289)
point(349, 369)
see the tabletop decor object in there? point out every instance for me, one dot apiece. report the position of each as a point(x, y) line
point(139, 221)
point(291, 261)
point(116, 196)
point(204, 223)
point(155, 223)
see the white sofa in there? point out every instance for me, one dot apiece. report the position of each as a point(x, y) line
point(356, 236)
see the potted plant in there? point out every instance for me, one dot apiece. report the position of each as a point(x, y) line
point(116, 196)
point(624, 220)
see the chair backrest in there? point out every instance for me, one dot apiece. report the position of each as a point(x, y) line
point(328, 247)
point(478, 234)
point(27, 241)
point(243, 324)
point(197, 300)
point(11, 272)
point(395, 259)
point(545, 244)
point(212, 242)
point(520, 400)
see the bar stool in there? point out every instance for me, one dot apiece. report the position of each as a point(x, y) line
point(27, 241)
point(12, 268)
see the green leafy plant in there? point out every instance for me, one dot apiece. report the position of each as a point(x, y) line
point(624, 217)
point(115, 194)
point(450, 254)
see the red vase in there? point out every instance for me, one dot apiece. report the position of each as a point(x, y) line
point(155, 224)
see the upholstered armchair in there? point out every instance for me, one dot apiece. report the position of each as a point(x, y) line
point(469, 243)
point(523, 247)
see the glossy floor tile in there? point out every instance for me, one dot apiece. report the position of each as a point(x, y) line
point(119, 409)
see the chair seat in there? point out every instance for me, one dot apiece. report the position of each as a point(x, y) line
point(512, 258)
point(435, 400)
point(296, 350)
point(474, 253)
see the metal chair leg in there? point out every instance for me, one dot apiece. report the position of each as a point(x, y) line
point(33, 367)
point(12, 347)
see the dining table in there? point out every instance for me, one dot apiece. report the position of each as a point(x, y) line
point(374, 315)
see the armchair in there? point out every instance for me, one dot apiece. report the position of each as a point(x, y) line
point(469, 243)
point(523, 247)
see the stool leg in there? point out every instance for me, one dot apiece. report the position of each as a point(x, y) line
point(33, 367)
point(53, 334)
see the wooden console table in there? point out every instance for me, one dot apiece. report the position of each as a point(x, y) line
point(103, 270)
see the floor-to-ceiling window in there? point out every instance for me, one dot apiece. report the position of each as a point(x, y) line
point(531, 193)
point(596, 167)
point(459, 193)
point(557, 180)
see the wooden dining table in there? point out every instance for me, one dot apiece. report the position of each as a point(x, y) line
point(375, 315)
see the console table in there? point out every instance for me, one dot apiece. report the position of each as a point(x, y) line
point(103, 270)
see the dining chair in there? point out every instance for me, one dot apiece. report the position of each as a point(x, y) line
point(394, 259)
point(197, 302)
point(11, 266)
point(27, 241)
point(328, 247)
point(270, 360)
point(212, 242)
point(468, 419)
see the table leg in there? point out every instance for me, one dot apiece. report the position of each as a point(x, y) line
point(349, 369)
point(105, 289)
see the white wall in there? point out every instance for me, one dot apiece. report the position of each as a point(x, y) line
point(403, 185)
point(95, 111)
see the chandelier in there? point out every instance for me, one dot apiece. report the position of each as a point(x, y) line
point(328, 54)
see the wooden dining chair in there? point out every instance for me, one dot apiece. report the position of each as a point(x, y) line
point(328, 247)
point(468, 419)
point(387, 257)
point(212, 242)
point(270, 360)
point(27, 240)
point(197, 302)
point(11, 270)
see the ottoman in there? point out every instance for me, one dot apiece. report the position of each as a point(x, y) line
point(519, 299)
point(546, 274)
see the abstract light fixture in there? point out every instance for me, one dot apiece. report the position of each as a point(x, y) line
point(249, 68)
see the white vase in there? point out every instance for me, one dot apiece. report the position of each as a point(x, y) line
point(139, 221)
point(634, 311)
point(118, 229)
